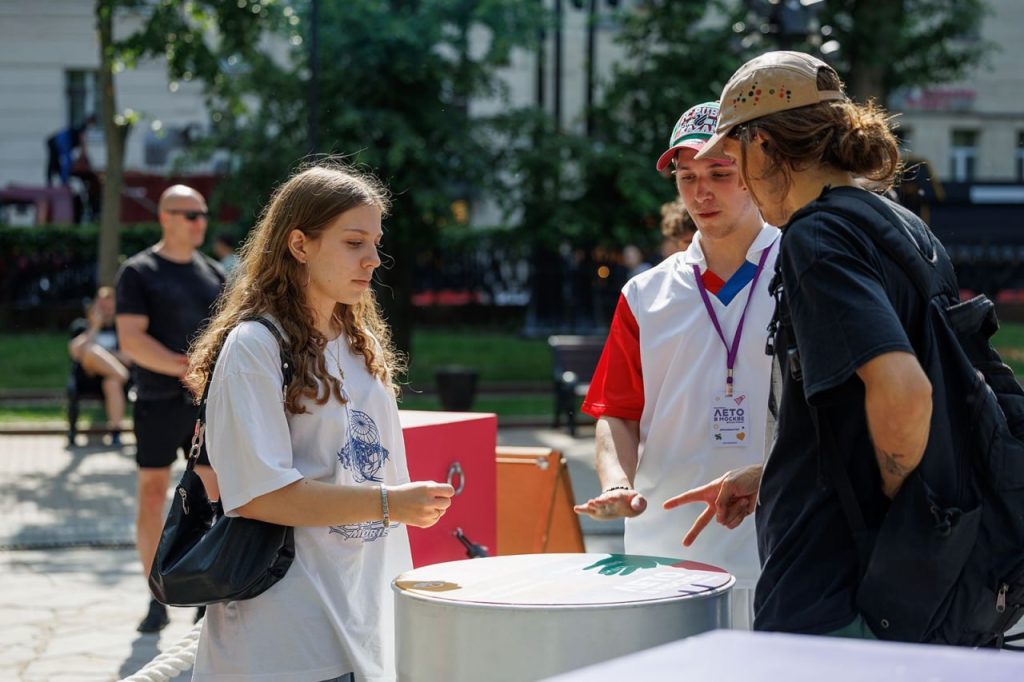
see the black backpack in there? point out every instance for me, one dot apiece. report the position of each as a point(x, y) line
point(947, 564)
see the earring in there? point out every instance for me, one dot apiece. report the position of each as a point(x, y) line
point(305, 265)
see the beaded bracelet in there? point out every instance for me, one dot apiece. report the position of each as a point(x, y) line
point(384, 505)
point(616, 487)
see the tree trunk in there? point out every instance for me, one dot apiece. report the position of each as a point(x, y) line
point(115, 133)
point(866, 82)
point(876, 33)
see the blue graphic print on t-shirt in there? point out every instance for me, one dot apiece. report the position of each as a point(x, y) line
point(363, 454)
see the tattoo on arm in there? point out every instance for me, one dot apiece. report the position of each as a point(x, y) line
point(892, 464)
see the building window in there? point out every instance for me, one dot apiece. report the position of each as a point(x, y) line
point(81, 95)
point(963, 155)
point(1020, 156)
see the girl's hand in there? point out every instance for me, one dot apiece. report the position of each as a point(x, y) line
point(420, 503)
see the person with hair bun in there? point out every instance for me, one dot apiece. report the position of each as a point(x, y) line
point(327, 456)
point(848, 319)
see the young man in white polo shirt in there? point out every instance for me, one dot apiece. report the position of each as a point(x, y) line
point(681, 391)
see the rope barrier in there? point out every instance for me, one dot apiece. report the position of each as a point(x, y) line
point(170, 663)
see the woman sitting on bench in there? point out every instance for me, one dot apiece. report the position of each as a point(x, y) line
point(94, 347)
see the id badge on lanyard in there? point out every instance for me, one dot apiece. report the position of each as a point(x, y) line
point(729, 422)
point(729, 419)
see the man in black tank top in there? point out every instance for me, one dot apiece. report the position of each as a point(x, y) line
point(165, 296)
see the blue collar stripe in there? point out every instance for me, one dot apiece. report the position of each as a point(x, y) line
point(740, 279)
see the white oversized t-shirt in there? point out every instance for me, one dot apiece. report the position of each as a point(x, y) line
point(333, 612)
point(663, 365)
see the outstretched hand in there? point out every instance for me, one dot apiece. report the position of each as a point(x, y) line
point(613, 504)
point(729, 499)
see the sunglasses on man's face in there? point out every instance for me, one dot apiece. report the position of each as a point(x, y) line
point(190, 215)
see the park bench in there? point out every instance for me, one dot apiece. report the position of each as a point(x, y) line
point(80, 387)
point(574, 359)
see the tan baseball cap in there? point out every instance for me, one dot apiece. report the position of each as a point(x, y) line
point(772, 82)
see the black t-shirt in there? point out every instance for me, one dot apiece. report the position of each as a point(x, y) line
point(848, 303)
point(177, 298)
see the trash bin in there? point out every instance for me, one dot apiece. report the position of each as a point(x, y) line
point(531, 616)
point(456, 386)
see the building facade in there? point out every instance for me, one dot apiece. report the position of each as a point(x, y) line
point(48, 66)
point(972, 131)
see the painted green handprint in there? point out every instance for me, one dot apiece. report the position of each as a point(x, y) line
point(624, 564)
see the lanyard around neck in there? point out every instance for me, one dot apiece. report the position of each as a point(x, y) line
point(731, 350)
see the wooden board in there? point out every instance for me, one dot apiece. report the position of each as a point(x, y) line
point(535, 501)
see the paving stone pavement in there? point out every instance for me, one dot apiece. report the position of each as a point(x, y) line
point(72, 590)
point(70, 614)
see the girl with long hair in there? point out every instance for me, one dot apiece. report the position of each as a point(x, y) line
point(327, 455)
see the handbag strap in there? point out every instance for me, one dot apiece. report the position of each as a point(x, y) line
point(287, 370)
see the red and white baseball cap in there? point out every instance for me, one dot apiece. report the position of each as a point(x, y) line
point(693, 129)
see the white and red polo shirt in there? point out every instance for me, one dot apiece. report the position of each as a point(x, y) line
point(663, 365)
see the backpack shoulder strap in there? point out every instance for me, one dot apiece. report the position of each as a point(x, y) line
point(890, 233)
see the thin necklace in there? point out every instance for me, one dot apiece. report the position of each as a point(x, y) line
point(337, 362)
point(337, 354)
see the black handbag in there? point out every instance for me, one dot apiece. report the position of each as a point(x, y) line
point(205, 557)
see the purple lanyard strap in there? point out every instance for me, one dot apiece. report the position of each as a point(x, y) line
point(733, 351)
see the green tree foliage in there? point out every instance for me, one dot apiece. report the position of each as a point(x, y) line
point(678, 54)
point(540, 167)
point(682, 53)
point(199, 39)
point(396, 80)
point(882, 45)
point(889, 45)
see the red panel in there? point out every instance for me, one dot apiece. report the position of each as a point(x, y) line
point(434, 443)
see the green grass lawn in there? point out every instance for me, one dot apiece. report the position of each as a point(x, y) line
point(498, 357)
point(40, 360)
point(511, 405)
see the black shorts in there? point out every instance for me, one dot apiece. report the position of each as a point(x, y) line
point(162, 427)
